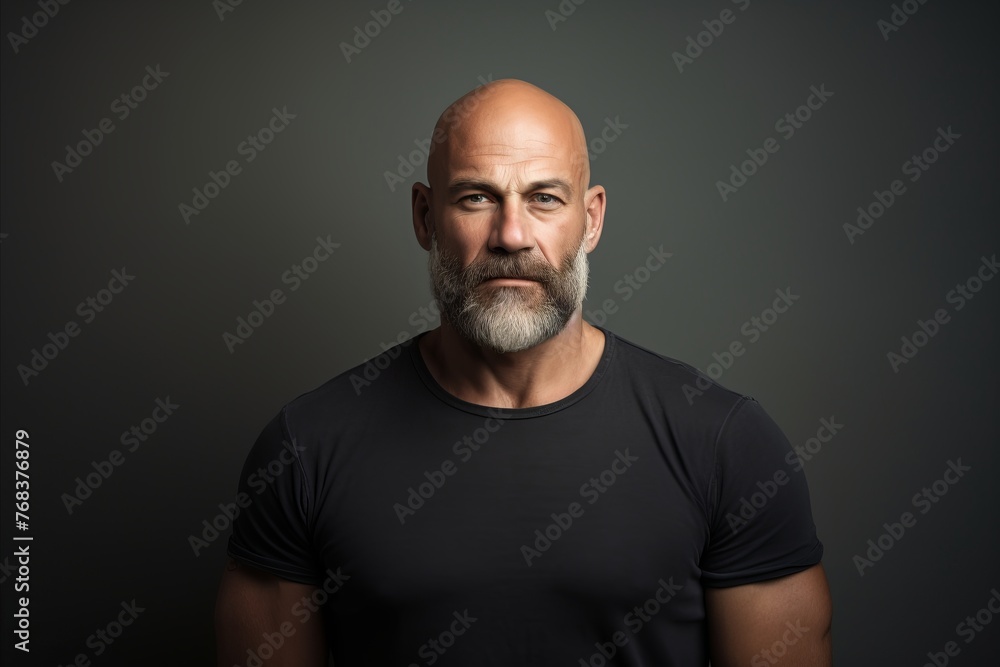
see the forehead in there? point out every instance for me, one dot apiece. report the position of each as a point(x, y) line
point(511, 147)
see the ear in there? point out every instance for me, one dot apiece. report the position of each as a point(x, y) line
point(595, 202)
point(420, 197)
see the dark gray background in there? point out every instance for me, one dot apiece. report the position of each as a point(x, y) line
point(324, 175)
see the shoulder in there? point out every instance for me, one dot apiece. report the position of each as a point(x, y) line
point(689, 393)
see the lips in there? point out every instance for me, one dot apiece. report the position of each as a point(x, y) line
point(511, 278)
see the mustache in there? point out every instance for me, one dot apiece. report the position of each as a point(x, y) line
point(526, 267)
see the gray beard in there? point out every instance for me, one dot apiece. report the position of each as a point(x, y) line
point(508, 318)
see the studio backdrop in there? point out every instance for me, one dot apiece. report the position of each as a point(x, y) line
point(206, 212)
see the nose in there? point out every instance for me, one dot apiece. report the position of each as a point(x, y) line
point(511, 228)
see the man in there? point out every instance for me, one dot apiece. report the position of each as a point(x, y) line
point(518, 487)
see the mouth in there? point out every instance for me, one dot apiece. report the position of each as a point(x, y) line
point(506, 280)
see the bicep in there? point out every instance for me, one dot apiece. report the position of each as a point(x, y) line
point(787, 618)
point(253, 606)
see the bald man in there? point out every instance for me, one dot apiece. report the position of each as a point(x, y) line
point(516, 486)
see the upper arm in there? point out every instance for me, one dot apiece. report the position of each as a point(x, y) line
point(786, 619)
point(256, 608)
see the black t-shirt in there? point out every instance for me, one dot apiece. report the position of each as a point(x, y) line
point(582, 532)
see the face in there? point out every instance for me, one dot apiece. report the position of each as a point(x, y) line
point(508, 255)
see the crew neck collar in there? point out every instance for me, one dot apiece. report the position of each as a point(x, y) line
point(512, 413)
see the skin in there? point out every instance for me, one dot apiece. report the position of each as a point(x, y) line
point(753, 624)
point(252, 603)
point(509, 172)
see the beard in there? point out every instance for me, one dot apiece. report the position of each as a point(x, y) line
point(508, 318)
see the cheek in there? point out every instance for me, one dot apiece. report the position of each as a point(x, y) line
point(459, 251)
point(465, 238)
point(561, 243)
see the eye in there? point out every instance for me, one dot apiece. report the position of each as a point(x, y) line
point(547, 199)
point(472, 199)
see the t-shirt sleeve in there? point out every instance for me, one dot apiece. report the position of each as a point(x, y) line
point(272, 531)
point(762, 525)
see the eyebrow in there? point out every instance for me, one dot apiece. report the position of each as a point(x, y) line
point(473, 184)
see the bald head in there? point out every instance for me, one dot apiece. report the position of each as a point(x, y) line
point(508, 120)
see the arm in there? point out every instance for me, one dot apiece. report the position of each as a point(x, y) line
point(784, 621)
point(253, 606)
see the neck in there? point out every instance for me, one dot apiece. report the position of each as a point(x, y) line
point(536, 376)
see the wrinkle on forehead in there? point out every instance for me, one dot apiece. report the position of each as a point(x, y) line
point(510, 119)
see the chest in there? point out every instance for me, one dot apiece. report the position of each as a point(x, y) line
point(510, 513)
